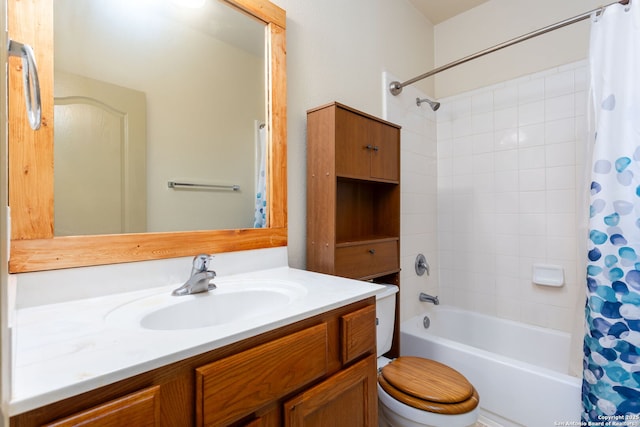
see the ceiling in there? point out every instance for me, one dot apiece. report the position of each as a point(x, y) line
point(437, 11)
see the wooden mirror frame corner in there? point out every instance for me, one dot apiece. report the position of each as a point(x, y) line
point(33, 244)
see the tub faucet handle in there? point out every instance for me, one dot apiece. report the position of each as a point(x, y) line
point(421, 265)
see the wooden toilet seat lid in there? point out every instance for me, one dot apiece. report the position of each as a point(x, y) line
point(425, 405)
point(427, 380)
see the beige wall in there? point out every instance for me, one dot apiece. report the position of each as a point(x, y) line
point(337, 51)
point(497, 21)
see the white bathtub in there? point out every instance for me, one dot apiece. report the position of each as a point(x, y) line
point(520, 371)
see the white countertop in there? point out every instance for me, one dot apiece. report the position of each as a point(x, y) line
point(67, 348)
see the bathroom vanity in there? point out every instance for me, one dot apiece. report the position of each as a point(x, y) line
point(310, 361)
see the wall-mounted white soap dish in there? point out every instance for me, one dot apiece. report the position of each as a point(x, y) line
point(548, 275)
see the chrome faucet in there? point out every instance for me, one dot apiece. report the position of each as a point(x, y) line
point(200, 277)
point(428, 298)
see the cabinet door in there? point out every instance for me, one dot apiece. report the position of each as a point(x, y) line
point(347, 399)
point(385, 160)
point(141, 409)
point(354, 145)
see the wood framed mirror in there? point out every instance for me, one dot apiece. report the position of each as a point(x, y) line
point(35, 247)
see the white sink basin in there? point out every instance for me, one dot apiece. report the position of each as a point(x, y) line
point(232, 301)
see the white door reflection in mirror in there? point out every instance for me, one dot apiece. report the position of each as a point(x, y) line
point(99, 157)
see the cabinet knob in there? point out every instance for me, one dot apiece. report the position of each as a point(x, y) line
point(376, 148)
point(372, 251)
point(369, 147)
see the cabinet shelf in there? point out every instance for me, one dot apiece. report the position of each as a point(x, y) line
point(366, 241)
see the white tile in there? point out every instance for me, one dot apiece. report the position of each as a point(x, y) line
point(507, 224)
point(531, 135)
point(563, 154)
point(507, 266)
point(462, 165)
point(506, 181)
point(462, 126)
point(507, 244)
point(581, 103)
point(532, 90)
point(482, 102)
point(533, 224)
point(561, 224)
point(506, 96)
point(559, 84)
point(508, 308)
point(562, 177)
point(507, 202)
point(532, 202)
point(559, 107)
point(482, 122)
point(506, 139)
point(444, 130)
point(505, 160)
point(445, 148)
point(532, 179)
point(562, 130)
point(462, 146)
point(506, 118)
point(484, 185)
point(483, 143)
point(533, 246)
point(531, 113)
point(581, 78)
point(561, 201)
point(482, 163)
point(563, 248)
point(531, 158)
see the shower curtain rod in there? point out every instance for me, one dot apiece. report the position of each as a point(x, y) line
point(396, 87)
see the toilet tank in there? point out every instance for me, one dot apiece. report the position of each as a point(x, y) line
point(385, 315)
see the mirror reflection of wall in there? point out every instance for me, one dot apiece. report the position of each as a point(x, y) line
point(200, 93)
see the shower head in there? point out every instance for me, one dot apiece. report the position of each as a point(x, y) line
point(434, 104)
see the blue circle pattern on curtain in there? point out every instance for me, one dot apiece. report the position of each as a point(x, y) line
point(611, 384)
point(611, 375)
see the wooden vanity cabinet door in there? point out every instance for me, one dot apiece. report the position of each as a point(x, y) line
point(358, 333)
point(140, 409)
point(347, 399)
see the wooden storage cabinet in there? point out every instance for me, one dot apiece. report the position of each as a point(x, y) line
point(326, 361)
point(353, 196)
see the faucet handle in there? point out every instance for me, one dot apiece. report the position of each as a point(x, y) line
point(201, 262)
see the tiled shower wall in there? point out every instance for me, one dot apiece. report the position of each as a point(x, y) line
point(418, 221)
point(510, 161)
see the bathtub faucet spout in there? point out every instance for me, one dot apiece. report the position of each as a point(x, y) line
point(428, 298)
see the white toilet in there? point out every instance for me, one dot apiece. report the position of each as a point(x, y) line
point(418, 392)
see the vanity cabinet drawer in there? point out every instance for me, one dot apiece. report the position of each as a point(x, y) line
point(358, 333)
point(367, 259)
point(137, 409)
point(236, 386)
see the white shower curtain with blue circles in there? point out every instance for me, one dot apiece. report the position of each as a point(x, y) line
point(611, 375)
